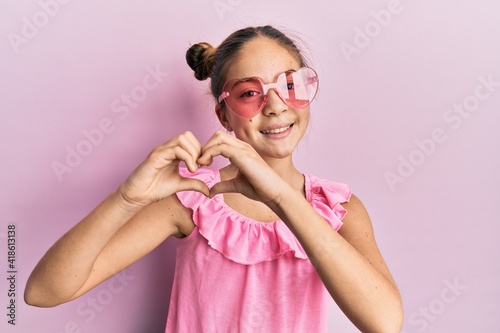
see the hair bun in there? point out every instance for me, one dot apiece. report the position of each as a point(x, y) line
point(200, 58)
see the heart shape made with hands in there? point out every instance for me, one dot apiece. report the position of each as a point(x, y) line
point(158, 176)
point(253, 177)
point(237, 184)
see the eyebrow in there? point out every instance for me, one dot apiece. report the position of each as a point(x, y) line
point(238, 81)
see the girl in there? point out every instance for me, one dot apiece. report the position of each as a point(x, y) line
point(260, 246)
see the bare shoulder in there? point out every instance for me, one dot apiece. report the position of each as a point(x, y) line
point(356, 214)
point(358, 231)
point(357, 226)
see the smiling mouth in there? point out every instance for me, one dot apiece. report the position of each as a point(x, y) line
point(276, 130)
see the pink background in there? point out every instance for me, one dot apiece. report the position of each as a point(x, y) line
point(378, 107)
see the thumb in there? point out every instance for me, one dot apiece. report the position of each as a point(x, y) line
point(226, 186)
point(193, 184)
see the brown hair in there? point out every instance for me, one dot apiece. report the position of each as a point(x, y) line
point(209, 62)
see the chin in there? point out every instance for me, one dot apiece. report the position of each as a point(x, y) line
point(281, 153)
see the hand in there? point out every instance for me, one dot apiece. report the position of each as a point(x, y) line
point(158, 176)
point(255, 178)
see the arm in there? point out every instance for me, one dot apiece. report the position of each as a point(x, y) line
point(127, 225)
point(348, 262)
point(101, 245)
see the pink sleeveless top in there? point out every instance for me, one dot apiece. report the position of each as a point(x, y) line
point(235, 274)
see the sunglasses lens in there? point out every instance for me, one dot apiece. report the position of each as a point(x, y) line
point(300, 88)
point(246, 97)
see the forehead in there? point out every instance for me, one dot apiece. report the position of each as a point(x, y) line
point(264, 58)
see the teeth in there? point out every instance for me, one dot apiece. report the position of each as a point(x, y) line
point(276, 131)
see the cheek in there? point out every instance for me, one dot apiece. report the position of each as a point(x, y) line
point(239, 123)
point(305, 116)
point(241, 127)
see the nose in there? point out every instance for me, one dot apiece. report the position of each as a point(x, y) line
point(274, 104)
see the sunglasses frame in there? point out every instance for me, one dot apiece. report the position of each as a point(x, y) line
point(272, 85)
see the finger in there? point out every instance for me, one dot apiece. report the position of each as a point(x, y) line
point(221, 138)
point(190, 143)
point(226, 186)
point(187, 140)
point(207, 159)
point(193, 184)
point(219, 148)
point(193, 153)
point(208, 155)
point(214, 140)
point(164, 158)
point(188, 158)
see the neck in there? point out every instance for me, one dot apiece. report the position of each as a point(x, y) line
point(283, 167)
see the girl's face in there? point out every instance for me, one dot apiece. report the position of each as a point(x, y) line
point(278, 128)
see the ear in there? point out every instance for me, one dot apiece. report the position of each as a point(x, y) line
point(221, 114)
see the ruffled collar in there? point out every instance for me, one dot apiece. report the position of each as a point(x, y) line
point(247, 241)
